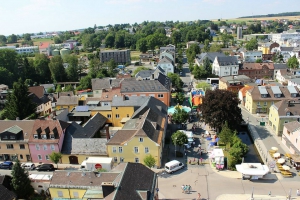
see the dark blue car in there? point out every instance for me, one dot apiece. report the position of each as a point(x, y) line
point(6, 165)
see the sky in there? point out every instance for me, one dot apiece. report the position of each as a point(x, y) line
point(33, 16)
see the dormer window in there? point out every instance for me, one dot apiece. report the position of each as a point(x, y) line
point(12, 137)
point(294, 95)
point(44, 136)
point(52, 136)
point(5, 137)
point(288, 114)
point(264, 96)
point(35, 136)
point(277, 95)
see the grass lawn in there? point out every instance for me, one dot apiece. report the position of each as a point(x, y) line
point(39, 40)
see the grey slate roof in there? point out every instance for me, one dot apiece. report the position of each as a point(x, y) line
point(145, 73)
point(67, 100)
point(228, 60)
point(280, 66)
point(129, 101)
point(132, 85)
point(89, 146)
point(210, 55)
point(286, 48)
point(7, 194)
point(136, 179)
point(165, 60)
point(105, 83)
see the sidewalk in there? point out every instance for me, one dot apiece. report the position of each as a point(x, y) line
point(255, 197)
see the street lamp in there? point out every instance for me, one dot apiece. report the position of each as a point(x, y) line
point(175, 147)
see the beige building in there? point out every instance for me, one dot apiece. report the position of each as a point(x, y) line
point(14, 139)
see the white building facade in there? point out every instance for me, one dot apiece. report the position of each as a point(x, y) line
point(225, 66)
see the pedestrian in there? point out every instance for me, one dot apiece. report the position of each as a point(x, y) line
point(186, 188)
point(201, 160)
point(182, 188)
point(189, 188)
point(298, 192)
point(199, 196)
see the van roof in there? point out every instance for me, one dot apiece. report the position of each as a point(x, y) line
point(172, 162)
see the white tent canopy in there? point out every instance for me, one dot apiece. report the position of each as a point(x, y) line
point(253, 169)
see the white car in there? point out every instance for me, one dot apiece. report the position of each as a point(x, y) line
point(28, 166)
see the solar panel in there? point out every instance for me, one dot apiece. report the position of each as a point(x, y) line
point(82, 108)
point(262, 90)
point(276, 90)
point(292, 89)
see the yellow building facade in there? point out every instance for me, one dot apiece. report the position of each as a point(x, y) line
point(135, 150)
point(120, 114)
point(66, 193)
point(258, 106)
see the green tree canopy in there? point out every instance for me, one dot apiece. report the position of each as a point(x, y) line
point(55, 157)
point(12, 39)
point(21, 184)
point(149, 161)
point(219, 106)
point(179, 138)
point(205, 86)
point(142, 45)
point(293, 62)
point(41, 65)
point(176, 80)
point(57, 69)
point(226, 135)
point(180, 116)
point(72, 70)
point(252, 44)
point(137, 70)
point(191, 52)
point(19, 104)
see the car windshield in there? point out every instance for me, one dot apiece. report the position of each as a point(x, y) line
point(167, 167)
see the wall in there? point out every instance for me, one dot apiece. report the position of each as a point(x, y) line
point(81, 158)
point(165, 99)
point(128, 151)
point(42, 152)
point(70, 107)
point(15, 150)
point(292, 137)
point(123, 112)
point(36, 184)
point(104, 113)
point(53, 192)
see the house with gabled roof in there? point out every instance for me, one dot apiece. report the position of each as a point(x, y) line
point(69, 102)
point(210, 55)
point(46, 136)
point(159, 88)
point(6, 189)
point(84, 141)
point(167, 64)
point(43, 104)
point(100, 84)
point(225, 66)
point(142, 135)
point(291, 136)
point(150, 74)
point(14, 135)
point(125, 181)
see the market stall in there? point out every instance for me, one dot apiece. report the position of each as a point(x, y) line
point(217, 158)
point(252, 170)
point(295, 161)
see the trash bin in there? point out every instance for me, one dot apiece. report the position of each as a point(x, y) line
point(262, 123)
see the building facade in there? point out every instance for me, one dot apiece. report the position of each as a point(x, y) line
point(225, 66)
point(119, 56)
point(257, 70)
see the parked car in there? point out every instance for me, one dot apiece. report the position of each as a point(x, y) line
point(45, 167)
point(28, 166)
point(6, 165)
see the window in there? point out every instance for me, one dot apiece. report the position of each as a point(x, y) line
point(12, 137)
point(258, 103)
point(160, 95)
point(44, 136)
point(45, 147)
point(141, 139)
point(286, 122)
point(22, 146)
point(75, 194)
point(137, 160)
point(116, 108)
point(35, 136)
point(121, 159)
point(37, 147)
point(114, 149)
point(288, 114)
point(52, 147)
point(47, 157)
point(115, 159)
point(105, 104)
point(108, 116)
point(21, 156)
point(5, 137)
point(60, 193)
point(117, 116)
point(265, 103)
point(10, 146)
point(52, 136)
point(146, 149)
point(136, 149)
point(120, 149)
point(39, 157)
point(127, 115)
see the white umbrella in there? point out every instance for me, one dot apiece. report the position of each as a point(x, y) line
point(281, 160)
point(274, 148)
point(285, 167)
point(276, 155)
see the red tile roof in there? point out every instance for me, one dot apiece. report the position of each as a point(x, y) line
point(37, 90)
point(44, 45)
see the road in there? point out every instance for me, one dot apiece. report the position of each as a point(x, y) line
point(8, 172)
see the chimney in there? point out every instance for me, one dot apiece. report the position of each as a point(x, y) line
point(107, 188)
point(107, 132)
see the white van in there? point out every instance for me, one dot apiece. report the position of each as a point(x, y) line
point(28, 166)
point(173, 166)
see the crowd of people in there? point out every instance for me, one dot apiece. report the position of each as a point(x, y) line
point(186, 189)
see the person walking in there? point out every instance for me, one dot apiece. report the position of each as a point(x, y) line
point(189, 188)
point(298, 192)
point(182, 188)
point(201, 160)
point(199, 196)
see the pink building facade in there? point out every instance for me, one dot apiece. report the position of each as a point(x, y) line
point(291, 136)
point(47, 137)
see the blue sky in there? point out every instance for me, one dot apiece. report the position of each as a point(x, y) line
point(31, 16)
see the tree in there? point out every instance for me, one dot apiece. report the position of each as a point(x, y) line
point(58, 73)
point(68, 88)
point(21, 184)
point(179, 138)
point(41, 65)
point(215, 48)
point(72, 70)
point(293, 62)
point(27, 37)
point(12, 39)
point(149, 161)
point(176, 80)
point(57, 40)
point(259, 60)
point(3, 40)
point(206, 46)
point(85, 83)
point(151, 42)
point(176, 37)
point(141, 45)
point(109, 40)
point(19, 104)
point(55, 157)
point(6, 77)
point(180, 98)
point(180, 116)
point(252, 44)
point(207, 66)
point(219, 106)
point(191, 52)
point(205, 86)
point(226, 135)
